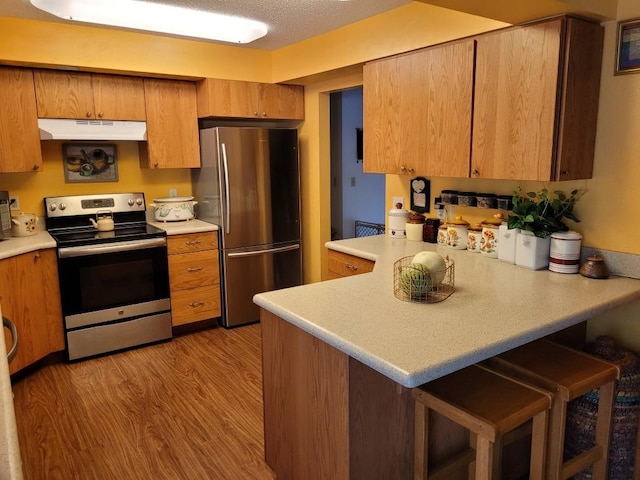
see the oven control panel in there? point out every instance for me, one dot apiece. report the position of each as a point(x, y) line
point(73, 205)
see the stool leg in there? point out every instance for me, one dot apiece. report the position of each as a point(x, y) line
point(555, 446)
point(538, 445)
point(484, 459)
point(606, 398)
point(420, 467)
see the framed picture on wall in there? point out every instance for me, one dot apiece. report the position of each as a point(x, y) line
point(628, 47)
point(87, 163)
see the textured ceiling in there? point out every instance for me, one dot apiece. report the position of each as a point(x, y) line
point(289, 21)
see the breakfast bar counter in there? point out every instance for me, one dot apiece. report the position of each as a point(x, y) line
point(495, 307)
point(340, 357)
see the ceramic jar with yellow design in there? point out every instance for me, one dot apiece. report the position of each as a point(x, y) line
point(457, 233)
point(489, 240)
point(474, 236)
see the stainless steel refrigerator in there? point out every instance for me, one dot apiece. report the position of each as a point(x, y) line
point(249, 185)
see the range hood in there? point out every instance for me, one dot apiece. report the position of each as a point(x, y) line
point(62, 129)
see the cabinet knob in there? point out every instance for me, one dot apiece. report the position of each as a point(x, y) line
point(475, 171)
point(196, 304)
point(412, 170)
point(564, 172)
point(155, 164)
point(255, 114)
point(264, 114)
point(403, 168)
point(88, 114)
point(100, 114)
point(36, 167)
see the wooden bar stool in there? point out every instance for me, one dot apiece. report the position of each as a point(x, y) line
point(568, 373)
point(489, 405)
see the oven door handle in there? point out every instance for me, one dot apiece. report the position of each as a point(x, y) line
point(81, 251)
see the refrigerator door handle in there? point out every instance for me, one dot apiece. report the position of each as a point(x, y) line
point(288, 248)
point(225, 166)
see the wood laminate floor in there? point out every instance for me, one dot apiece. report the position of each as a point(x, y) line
point(190, 408)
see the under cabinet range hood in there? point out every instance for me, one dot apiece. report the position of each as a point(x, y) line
point(63, 129)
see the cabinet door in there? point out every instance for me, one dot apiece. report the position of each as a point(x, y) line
point(514, 119)
point(23, 302)
point(227, 98)
point(19, 136)
point(64, 94)
point(172, 125)
point(417, 112)
point(118, 98)
point(280, 101)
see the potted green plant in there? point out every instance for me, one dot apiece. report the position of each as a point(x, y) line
point(536, 215)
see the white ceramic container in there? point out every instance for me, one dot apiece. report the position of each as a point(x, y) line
point(442, 235)
point(489, 241)
point(414, 231)
point(397, 221)
point(174, 209)
point(457, 233)
point(564, 252)
point(532, 252)
point(507, 239)
point(474, 236)
point(24, 225)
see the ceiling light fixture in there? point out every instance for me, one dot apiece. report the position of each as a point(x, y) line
point(156, 18)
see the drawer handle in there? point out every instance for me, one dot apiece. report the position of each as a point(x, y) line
point(194, 269)
point(192, 242)
point(196, 304)
point(348, 266)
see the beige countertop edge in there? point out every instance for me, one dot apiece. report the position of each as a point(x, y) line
point(496, 307)
point(13, 246)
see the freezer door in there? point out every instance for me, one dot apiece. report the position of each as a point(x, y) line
point(251, 271)
point(260, 186)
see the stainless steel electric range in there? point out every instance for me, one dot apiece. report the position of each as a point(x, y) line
point(113, 271)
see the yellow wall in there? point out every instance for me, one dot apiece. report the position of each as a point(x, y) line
point(31, 188)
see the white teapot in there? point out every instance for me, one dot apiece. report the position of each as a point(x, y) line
point(24, 224)
point(104, 223)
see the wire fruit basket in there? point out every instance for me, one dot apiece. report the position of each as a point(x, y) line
point(415, 283)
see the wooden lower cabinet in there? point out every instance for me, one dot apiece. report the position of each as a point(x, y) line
point(344, 265)
point(194, 277)
point(30, 298)
point(327, 415)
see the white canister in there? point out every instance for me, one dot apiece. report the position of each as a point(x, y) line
point(457, 233)
point(474, 235)
point(490, 236)
point(24, 225)
point(442, 235)
point(532, 252)
point(414, 231)
point(397, 222)
point(564, 252)
point(507, 240)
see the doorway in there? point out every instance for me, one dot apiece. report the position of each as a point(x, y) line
point(356, 197)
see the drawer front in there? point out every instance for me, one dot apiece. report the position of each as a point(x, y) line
point(345, 265)
point(195, 304)
point(190, 270)
point(192, 242)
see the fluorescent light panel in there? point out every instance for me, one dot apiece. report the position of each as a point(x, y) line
point(156, 18)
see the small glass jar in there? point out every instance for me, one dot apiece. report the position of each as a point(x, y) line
point(467, 199)
point(486, 200)
point(504, 202)
point(430, 230)
point(449, 196)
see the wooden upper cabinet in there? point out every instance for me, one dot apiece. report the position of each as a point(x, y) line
point(89, 96)
point(172, 125)
point(237, 99)
point(536, 101)
point(19, 135)
point(417, 112)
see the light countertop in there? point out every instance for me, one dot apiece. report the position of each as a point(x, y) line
point(12, 246)
point(495, 307)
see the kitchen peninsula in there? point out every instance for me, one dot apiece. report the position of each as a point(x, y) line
point(340, 357)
